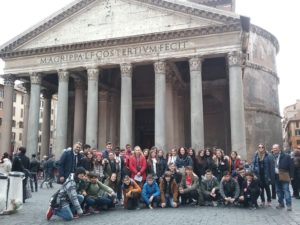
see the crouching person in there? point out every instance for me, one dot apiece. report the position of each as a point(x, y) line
point(66, 200)
point(250, 191)
point(151, 192)
point(229, 189)
point(210, 188)
point(98, 194)
point(189, 187)
point(168, 191)
point(131, 192)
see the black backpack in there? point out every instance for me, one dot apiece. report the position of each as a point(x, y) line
point(54, 203)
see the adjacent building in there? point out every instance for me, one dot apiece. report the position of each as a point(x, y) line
point(148, 72)
point(291, 126)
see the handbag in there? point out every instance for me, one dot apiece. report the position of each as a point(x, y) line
point(284, 176)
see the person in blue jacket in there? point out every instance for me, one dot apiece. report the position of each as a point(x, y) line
point(150, 192)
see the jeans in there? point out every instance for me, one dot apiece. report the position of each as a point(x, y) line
point(66, 212)
point(33, 179)
point(169, 201)
point(99, 202)
point(283, 191)
point(265, 186)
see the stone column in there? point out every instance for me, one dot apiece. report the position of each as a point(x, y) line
point(126, 105)
point(113, 120)
point(79, 127)
point(181, 140)
point(197, 125)
point(92, 108)
point(9, 82)
point(62, 112)
point(47, 95)
point(103, 122)
point(34, 114)
point(26, 112)
point(160, 105)
point(169, 110)
point(236, 96)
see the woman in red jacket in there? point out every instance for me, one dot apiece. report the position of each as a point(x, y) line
point(138, 166)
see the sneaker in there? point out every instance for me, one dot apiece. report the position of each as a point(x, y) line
point(280, 206)
point(150, 207)
point(49, 213)
point(75, 216)
point(289, 208)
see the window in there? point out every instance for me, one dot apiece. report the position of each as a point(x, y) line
point(21, 124)
point(41, 114)
point(14, 111)
point(297, 124)
point(20, 136)
point(15, 97)
point(0, 121)
point(40, 138)
point(1, 105)
point(13, 136)
point(2, 93)
point(22, 100)
point(13, 123)
point(52, 111)
point(22, 113)
point(297, 132)
point(52, 123)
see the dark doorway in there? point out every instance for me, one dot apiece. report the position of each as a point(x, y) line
point(144, 128)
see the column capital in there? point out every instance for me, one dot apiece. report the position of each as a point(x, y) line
point(93, 73)
point(126, 69)
point(160, 67)
point(47, 94)
point(9, 80)
point(195, 63)
point(36, 78)
point(63, 75)
point(235, 58)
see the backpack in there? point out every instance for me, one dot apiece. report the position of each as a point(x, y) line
point(54, 203)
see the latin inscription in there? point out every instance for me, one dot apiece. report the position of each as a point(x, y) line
point(99, 55)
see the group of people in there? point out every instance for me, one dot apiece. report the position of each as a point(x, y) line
point(95, 180)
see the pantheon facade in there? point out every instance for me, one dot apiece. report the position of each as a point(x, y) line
point(167, 73)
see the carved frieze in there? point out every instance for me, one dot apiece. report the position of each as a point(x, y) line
point(36, 78)
point(195, 63)
point(235, 58)
point(63, 75)
point(9, 80)
point(126, 69)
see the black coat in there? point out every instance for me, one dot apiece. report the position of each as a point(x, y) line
point(67, 163)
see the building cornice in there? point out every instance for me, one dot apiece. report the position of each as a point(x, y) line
point(262, 68)
point(265, 34)
point(213, 2)
point(262, 110)
point(161, 36)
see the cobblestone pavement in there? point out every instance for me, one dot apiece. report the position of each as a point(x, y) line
point(34, 211)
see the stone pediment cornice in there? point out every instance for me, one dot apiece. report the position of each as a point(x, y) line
point(81, 4)
point(266, 34)
point(161, 36)
point(213, 2)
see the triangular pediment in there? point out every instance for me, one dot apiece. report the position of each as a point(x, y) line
point(102, 19)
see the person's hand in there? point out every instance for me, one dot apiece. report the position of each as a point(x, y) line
point(79, 212)
point(61, 179)
point(151, 198)
point(84, 193)
point(212, 194)
point(128, 194)
point(175, 204)
point(139, 174)
point(245, 189)
point(163, 205)
point(231, 200)
point(241, 198)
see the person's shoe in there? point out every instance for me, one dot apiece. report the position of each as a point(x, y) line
point(262, 204)
point(49, 213)
point(215, 204)
point(280, 206)
point(150, 207)
point(75, 216)
point(289, 208)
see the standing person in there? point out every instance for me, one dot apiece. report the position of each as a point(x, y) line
point(87, 161)
point(49, 169)
point(21, 163)
point(263, 167)
point(183, 159)
point(150, 192)
point(200, 164)
point(210, 164)
point(296, 180)
point(162, 163)
point(152, 164)
point(34, 168)
point(111, 166)
point(146, 153)
point(5, 164)
point(138, 166)
point(99, 166)
point(68, 200)
point(192, 154)
point(168, 191)
point(221, 164)
point(69, 161)
point(172, 156)
point(107, 150)
point(234, 162)
point(284, 171)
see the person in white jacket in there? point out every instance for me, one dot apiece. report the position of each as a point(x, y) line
point(5, 164)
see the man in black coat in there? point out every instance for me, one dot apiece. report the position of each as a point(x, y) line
point(21, 163)
point(34, 168)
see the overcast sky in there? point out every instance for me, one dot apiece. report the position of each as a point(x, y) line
point(278, 17)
